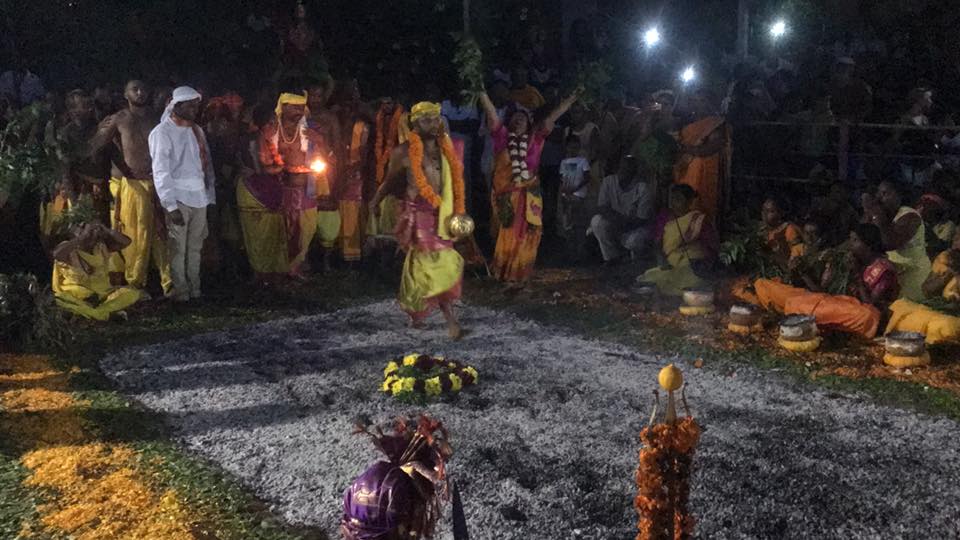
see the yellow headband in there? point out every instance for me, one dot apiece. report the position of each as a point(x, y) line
point(424, 108)
point(290, 99)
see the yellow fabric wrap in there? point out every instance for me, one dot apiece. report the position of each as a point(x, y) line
point(906, 361)
point(287, 98)
point(328, 227)
point(52, 212)
point(264, 234)
point(424, 108)
point(907, 316)
point(137, 221)
point(73, 287)
point(800, 346)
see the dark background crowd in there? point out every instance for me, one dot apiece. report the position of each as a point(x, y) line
point(856, 63)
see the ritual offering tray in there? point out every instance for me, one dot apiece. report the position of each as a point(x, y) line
point(697, 302)
point(744, 319)
point(906, 349)
point(798, 333)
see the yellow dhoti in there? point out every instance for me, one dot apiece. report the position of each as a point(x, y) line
point(264, 234)
point(137, 220)
point(351, 230)
point(327, 227)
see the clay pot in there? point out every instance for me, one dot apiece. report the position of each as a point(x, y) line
point(798, 328)
point(744, 315)
point(698, 297)
point(905, 344)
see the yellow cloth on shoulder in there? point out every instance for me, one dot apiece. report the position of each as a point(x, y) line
point(907, 316)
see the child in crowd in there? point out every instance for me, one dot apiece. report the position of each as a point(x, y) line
point(573, 216)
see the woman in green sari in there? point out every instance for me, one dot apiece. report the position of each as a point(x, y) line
point(687, 241)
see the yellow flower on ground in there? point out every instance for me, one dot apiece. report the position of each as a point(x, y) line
point(473, 373)
point(451, 365)
point(388, 382)
point(396, 387)
point(432, 386)
point(391, 367)
point(410, 359)
point(455, 383)
point(407, 383)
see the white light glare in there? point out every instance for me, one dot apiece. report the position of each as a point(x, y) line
point(778, 29)
point(688, 75)
point(651, 37)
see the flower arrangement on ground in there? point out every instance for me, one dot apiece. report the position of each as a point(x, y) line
point(417, 378)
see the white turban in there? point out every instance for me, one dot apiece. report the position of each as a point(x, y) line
point(180, 94)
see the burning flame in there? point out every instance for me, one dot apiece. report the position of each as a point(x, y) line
point(318, 166)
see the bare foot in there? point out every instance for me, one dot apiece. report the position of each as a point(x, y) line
point(456, 331)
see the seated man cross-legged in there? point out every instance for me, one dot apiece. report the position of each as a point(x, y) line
point(625, 211)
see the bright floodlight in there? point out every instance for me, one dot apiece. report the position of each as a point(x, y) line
point(651, 37)
point(778, 29)
point(688, 75)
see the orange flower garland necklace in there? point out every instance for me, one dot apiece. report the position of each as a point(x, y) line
point(386, 140)
point(415, 153)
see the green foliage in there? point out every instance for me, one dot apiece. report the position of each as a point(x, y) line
point(469, 61)
point(30, 157)
point(743, 252)
point(593, 79)
point(29, 316)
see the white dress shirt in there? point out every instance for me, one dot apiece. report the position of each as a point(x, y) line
point(178, 172)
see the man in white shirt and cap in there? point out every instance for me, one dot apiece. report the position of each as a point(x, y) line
point(184, 178)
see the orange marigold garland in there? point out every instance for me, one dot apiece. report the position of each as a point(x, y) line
point(415, 153)
point(387, 137)
point(663, 476)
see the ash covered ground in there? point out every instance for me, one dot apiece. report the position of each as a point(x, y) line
point(546, 445)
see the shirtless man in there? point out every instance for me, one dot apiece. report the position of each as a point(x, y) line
point(135, 213)
point(85, 174)
point(433, 270)
point(323, 129)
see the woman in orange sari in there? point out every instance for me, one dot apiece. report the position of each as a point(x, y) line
point(703, 149)
point(517, 202)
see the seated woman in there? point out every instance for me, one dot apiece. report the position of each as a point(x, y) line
point(686, 241)
point(782, 247)
point(943, 284)
point(873, 288)
point(783, 240)
point(81, 273)
point(903, 236)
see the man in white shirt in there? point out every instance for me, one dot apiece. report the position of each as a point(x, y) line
point(625, 212)
point(184, 178)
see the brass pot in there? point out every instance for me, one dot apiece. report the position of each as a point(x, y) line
point(744, 315)
point(460, 225)
point(698, 297)
point(905, 344)
point(798, 328)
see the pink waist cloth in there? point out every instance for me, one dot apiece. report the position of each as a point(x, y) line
point(417, 227)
